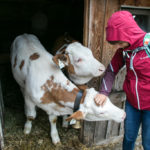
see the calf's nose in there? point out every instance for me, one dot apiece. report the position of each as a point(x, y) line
point(124, 116)
point(102, 68)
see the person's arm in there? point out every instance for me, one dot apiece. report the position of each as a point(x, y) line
point(107, 81)
point(109, 77)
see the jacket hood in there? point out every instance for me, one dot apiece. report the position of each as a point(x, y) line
point(121, 26)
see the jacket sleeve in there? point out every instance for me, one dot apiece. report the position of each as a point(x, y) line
point(113, 68)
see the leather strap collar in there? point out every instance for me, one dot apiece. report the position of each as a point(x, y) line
point(77, 100)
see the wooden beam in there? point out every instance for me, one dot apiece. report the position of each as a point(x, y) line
point(86, 22)
point(1, 119)
point(139, 3)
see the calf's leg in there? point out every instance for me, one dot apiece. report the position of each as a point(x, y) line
point(30, 113)
point(54, 132)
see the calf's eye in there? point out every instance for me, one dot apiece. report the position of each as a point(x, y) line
point(79, 60)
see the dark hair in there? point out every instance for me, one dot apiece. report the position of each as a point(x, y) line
point(118, 42)
point(115, 42)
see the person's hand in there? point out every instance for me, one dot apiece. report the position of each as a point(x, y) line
point(100, 99)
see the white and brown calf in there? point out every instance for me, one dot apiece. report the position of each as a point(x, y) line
point(80, 62)
point(45, 86)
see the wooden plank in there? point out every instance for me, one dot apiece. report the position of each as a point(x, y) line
point(109, 129)
point(139, 3)
point(87, 133)
point(121, 132)
point(108, 50)
point(111, 140)
point(115, 129)
point(145, 3)
point(127, 2)
point(117, 97)
point(1, 119)
point(1, 136)
point(100, 131)
point(86, 23)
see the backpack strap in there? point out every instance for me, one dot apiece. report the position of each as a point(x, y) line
point(146, 47)
point(146, 42)
point(135, 51)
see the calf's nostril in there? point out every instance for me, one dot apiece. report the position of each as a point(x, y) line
point(101, 70)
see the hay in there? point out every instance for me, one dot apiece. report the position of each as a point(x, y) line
point(39, 138)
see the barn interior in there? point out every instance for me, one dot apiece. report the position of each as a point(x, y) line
point(47, 19)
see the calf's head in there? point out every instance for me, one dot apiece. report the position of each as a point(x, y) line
point(91, 112)
point(79, 62)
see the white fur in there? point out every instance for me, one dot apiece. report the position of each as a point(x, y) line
point(35, 73)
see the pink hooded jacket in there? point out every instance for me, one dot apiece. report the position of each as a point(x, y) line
point(122, 27)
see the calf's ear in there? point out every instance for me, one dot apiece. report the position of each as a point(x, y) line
point(60, 59)
point(78, 115)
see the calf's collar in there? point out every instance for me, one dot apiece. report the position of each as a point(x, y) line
point(78, 100)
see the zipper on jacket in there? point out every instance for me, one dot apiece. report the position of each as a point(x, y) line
point(136, 84)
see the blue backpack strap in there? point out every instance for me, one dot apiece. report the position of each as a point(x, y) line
point(146, 42)
point(146, 47)
point(135, 51)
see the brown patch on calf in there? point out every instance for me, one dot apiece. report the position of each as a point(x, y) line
point(78, 115)
point(57, 93)
point(70, 67)
point(15, 61)
point(21, 64)
point(66, 60)
point(34, 56)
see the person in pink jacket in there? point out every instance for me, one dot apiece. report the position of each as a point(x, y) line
point(133, 50)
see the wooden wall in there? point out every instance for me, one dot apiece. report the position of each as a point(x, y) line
point(96, 14)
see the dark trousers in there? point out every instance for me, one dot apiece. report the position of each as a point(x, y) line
point(134, 118)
